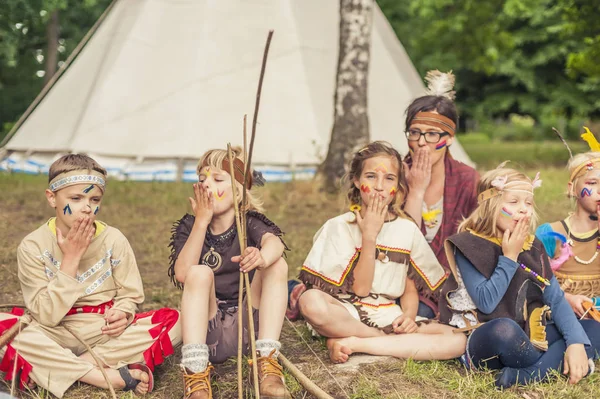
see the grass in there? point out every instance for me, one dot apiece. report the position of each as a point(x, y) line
point(145, 212)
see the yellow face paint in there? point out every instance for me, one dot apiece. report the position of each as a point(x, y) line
point(381, 168)
point(219, 195)
point(393, 191)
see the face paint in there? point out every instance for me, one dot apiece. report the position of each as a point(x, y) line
point(381, 168)
point(96, 211)
point(365, 189)
point(506, 213)
point(586, 192)
point(219, 195)
point(88, 189)
point(441, 145)
point(67, 209)
point(392, 192)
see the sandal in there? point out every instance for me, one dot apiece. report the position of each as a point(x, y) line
point(130, 382)
point(591, 310)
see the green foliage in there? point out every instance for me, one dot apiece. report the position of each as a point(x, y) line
point(23, 46)
point(529, 57)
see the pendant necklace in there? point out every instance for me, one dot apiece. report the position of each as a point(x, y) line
point(212, 258)
point(382, 256)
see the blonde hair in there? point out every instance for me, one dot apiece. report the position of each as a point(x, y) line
point(371, 150)
point(70, 162)
point(576, 162)
point(214, 159)
point(484, 218)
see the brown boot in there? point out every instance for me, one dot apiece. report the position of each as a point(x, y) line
point(197, 385)
point(271, 383)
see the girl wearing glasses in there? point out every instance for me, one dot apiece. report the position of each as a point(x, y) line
point(442, 190)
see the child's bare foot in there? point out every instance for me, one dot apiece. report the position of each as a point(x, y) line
point(338, 349)
point(142, 387)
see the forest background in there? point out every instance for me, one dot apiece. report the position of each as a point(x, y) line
point(522, 66)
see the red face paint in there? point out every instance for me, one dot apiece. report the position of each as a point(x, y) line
point(219, 195)
point(392, 192)
point(441, 145)
point(365, 189)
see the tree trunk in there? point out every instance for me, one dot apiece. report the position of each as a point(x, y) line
point(351, 121)
point(52, 32)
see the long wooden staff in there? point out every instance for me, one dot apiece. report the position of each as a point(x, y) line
point(240, 220)
point(240, 289)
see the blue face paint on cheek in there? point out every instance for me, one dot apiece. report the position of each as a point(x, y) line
point(67, 209)
point(97, 209)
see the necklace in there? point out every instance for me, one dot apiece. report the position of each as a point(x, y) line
point(534, 274)
point(570, 242)
point(212, 258)
point(379, 254)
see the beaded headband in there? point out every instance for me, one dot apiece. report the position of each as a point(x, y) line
point(81, 176)
point(436, 120)
point(499, 186)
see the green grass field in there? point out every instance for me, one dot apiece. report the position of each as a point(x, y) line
point(145, 212)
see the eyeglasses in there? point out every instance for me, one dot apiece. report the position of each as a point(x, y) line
point(430, 137)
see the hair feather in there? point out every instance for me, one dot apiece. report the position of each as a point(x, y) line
point(440, 84)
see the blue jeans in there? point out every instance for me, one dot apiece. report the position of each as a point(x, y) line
point(502, 344)
point(425, 311)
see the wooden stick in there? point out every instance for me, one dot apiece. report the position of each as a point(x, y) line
point(240, 296)
point(252, 335)
point(244, 199)
point(98, 362)
point(14, 370)
point(255, 117)
point(240, 219)
point(14, 330)
point(240, 338)
point(310, 386)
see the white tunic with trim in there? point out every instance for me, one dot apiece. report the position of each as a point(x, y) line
point(335, 252)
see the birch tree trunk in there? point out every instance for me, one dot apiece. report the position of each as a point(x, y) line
point(52, 32)
point(351, 121)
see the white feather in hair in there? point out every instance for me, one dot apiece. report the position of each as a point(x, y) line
point(440, 84)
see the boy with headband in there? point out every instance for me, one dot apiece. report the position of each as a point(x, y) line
point(79, 274)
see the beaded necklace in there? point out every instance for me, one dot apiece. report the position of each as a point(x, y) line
point(534, 274)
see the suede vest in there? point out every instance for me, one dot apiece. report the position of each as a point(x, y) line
point(524, 293)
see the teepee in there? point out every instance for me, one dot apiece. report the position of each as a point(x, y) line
point(160, 82)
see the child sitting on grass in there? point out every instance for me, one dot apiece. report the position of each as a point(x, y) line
point(206, 261)
point(363, 260)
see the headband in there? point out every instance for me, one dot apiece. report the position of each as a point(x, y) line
point(499, 186)
point(586, 166)
point(81, 176)
point(238, 170)
point(436, 120)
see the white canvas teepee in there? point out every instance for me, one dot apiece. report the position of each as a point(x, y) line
point(162, 81)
